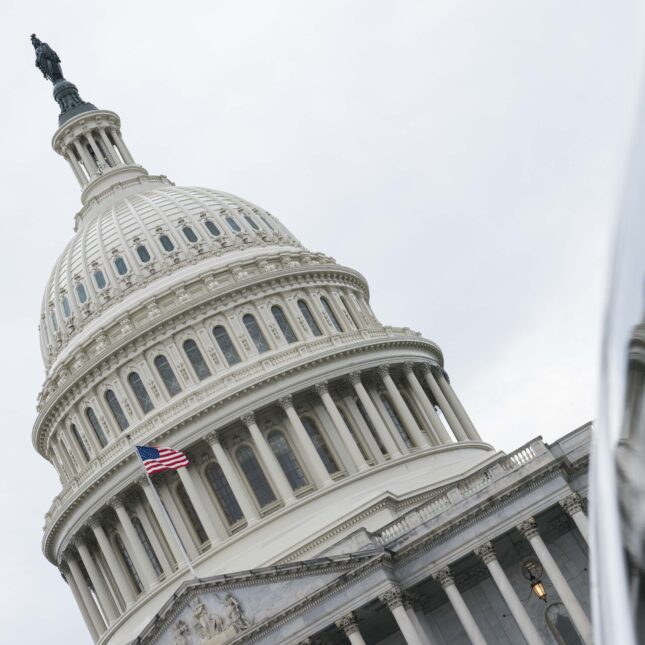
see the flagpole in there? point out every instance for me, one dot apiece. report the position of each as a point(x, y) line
point(167, 516)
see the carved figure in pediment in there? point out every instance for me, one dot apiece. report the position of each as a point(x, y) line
point(203, 623)
point(182, 634)
point(235, 614)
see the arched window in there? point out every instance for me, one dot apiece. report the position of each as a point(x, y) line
point(166, 243)
point(120, 265)
point(287, 460)
point(233, 224)
point(226, 345)
point(283, 323)
point(313, 325)
point(117, 410)
point(255, 333)
point(79, 442)
point(96, 426)
point(224, 493)
point(147, 547)
point(99, 278)
point(396, 421)
point(319, 444)
point(196, 359)
point(211, 228)
point(66, 308)
point(331, 314)
point(349, 311)
point(54, 320)
point(370, 426)
point(255, 476)
point(560, 625)
point(140, 392)
point(267, 221)
point(167, 375)
point(189, 234)
point(249, 219)
point(129, 565)
point(81, 293)
point(191, 513)
point(143, 254)
point(354, 434)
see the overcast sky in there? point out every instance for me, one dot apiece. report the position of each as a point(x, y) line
point(466, 157)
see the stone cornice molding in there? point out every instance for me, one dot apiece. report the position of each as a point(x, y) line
point(486, 552)
point(528, 528)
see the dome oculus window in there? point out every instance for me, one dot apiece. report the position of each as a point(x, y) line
point(99, 278)
point(81, 293)
point(189, 234)
point(331, 314)
point(117, 410)
point(143, 254)
point(224, 493)
point(255, 333)
point(167, 375)
point(283, 323)
point(251, 221)
point(120, 265)
point(140, 392)
point(235, 227)
point(196, 359)
point(211, 228)
point(306, 314)
point(226, 345)
point(166, 243)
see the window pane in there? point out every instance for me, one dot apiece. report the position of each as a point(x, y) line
point(353, 432)
point(189, 234)
point(116, 409)
point(147, 547)
point(166, 243)
point(140, 392)
point(287, 460)
point(226, 345)
point(233, 224)
point(99, 278)
point(283, 323)
point(397, 422)
point(224, 493)
point(80, 442)
point(196, 359)
point(81, 293)
point(330, 313)
point(144, 256)
point(192, 513)
point(370, 425)
point(66, 309)
point(121, 266)
point(167, 375)
point(255, 333)
point(254, 475)
point(320, 445)
point(313, 325)
point(211, 228)
point(96, 426)
point(125, 556)
point(249, 219)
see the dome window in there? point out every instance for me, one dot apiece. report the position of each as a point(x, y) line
point(255, 476)
point(331, 314)
point(143, 254)
point(80, 442)
point(226, 345)
point(96, 426)
point(81, 293)
point(235, 227)
point(196, 359)
point(255, 333)
point(66, 308)
point(117, 410)
point(306, 314)
point(139, 389)
point(319, 444)
point(189, 234)
point(349, 312)
point(54, 320)
point(224, 493)
point(250, 220)
point(268, 223)
point(211, 228)
point(167, 375)
point(99, 278)
point(121, 266)
point(283, 323)
point(287, 460)
point(190, 511)
point(166, 243)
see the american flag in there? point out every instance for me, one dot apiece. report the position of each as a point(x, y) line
point(157, 459)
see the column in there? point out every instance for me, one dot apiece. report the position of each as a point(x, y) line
point(241, 493)
point(163, 520)
point(199, 503)
point(374, 416)
point(453, 422)
point(529, 530)
point(78, 171)
point(96, 619)
point(123, 584)
point(457, 407)
point(572, 505)
point(447, 582)
point(488, 557)
point(317, 467)
point(90, 166)
point(96, 151)
point(98, 582)
point(139, 556)
point(346, 436)
point(270, 460)
point(122, 148)
point(404, 413)
point(393, 599)
point(168, 501)
point(349, 624)
point(153, 538)
point(410, 600)
point(440, 434)
point(80, 601)
point(370, 439)
point(108, 148)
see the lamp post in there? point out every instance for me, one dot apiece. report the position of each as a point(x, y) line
point(533, 571)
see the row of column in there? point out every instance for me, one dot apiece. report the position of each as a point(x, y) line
point(415, 629)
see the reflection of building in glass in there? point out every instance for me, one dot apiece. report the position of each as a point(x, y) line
point(337, 488)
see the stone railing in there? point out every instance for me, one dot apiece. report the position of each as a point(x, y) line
point(467, 487)
point(228, 382)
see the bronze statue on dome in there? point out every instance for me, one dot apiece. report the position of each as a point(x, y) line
point(47, 60)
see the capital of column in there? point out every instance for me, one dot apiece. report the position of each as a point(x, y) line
point(348, 623)
point(286, 402)
point(212, 436)
point(528, 528)
point(354, 378)
point(408, 367)
point(392, 598)
point(572, 504)
point(486, 552)
point(77, 541)
point(93, 522)
point(142, 481)
point(383, 370)
point(322, 388)
point(248, 419)
point(116, 502)
point(444, 577)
